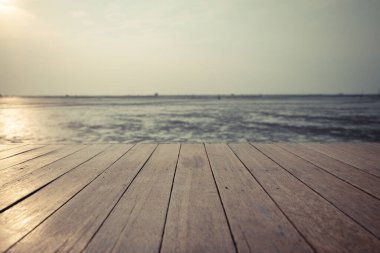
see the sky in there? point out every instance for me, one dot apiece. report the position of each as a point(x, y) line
point(124, 47)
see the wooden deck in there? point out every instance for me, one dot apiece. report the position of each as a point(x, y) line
point(190, 198)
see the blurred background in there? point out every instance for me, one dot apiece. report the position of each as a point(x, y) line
point(169, 70)
point(190, 119)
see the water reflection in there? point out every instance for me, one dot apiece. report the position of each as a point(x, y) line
point(13, 124)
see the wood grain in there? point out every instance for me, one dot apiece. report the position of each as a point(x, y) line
point(326, 228)
point(18, 150)
point(5, 147)
point(352, 175)
point(356, 161)
point(71, 227)
point(27, 156)
point(15, 172)
point(195, 211)
point(363, 150)
point(190, 198)
point(22, 218)
point(27, 184)
point(137, 222)
point(358, 205)
point(256, 222)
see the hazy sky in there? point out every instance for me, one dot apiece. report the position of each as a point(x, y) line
point(115, 47)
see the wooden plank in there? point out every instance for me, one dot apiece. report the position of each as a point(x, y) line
point(352, 175)
point(374, 145)
point(5, 147)
point(18, 150)
point(362, 147)
point(31, 182)
point(360, 163)
point(324, 226)
point(363, 150)
point(256, 222)
point(15, 172)
point(137, 222)
point(358, 205)
point(23, 217)
point(72, 226)
point(27, 156)
point(196, 221)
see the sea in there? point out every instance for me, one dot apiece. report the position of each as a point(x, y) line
point(163, 119)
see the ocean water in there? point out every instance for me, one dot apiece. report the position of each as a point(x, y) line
point(189, 119)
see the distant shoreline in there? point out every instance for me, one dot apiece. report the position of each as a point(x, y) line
point(221, 96)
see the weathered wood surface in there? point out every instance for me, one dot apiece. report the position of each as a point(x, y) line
point(16, 150)
point(4, 147)
point(17, 171)
point(195, 210)
point(190, 198)
point(347, 173)
point(253, 216)
point(356, 160)
point(360, 206)
point(138, 219)
point(325, 227)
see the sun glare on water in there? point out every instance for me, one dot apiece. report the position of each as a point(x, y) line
point(7, 6)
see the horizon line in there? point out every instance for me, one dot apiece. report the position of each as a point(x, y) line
point(198, 95)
